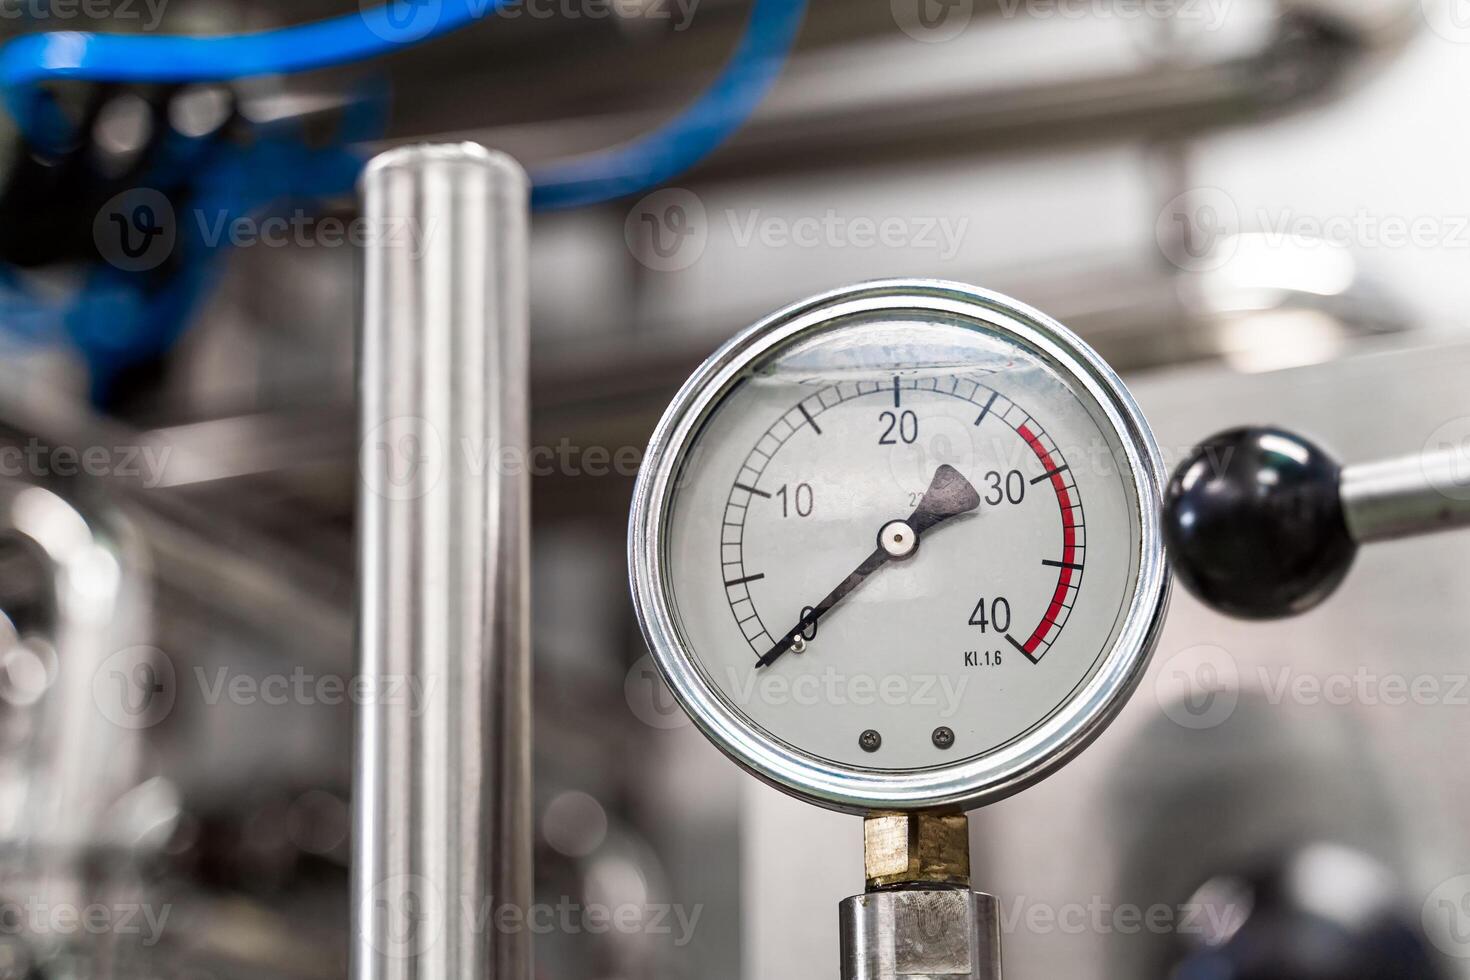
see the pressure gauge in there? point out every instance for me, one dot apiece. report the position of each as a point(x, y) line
point(898, 547)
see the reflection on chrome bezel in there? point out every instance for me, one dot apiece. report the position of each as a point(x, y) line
point(970, 782)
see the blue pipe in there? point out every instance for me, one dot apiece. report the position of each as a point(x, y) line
point(100, 314)
point(647, 161)
point(693, 134)
point(376, 31)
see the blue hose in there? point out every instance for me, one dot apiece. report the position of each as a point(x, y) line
point(647, 161)
point(116, 321)
point(692, 135)
point(336, 41)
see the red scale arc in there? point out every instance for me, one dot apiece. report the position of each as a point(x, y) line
point(1069, 542)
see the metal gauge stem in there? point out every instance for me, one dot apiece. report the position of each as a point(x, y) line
point(898, 546)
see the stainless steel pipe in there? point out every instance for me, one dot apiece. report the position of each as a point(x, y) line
point(441, 875)
point(918, 917)
point(920, 933)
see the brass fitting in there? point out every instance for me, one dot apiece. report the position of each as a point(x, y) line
point(916, 849)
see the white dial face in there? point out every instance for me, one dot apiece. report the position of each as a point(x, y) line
point(897, 544)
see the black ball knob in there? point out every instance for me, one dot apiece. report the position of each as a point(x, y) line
point(1254, 524)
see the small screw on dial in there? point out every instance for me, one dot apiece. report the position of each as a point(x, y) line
point(943, 738)
point(870, 741)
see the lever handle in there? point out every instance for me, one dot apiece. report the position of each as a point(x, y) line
point(1255, 524)
point(1262, 523)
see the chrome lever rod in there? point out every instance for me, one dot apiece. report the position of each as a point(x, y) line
point(1398, 498)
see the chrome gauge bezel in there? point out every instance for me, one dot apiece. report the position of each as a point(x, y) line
point(971, 782)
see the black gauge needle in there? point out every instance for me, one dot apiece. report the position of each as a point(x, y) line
point(949, 495)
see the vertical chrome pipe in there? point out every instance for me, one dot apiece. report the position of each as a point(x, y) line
point(918, 917)
point(442, 876)
point(920, 932)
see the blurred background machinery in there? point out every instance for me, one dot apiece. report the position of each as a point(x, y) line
point(1251, 207)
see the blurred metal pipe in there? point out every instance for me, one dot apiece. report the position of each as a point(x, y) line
point(443, 792)
point(876, 103)
point(1398, 498)
point(201, 555)
point(83, 690)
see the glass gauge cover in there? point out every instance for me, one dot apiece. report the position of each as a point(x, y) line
point(898, 547)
